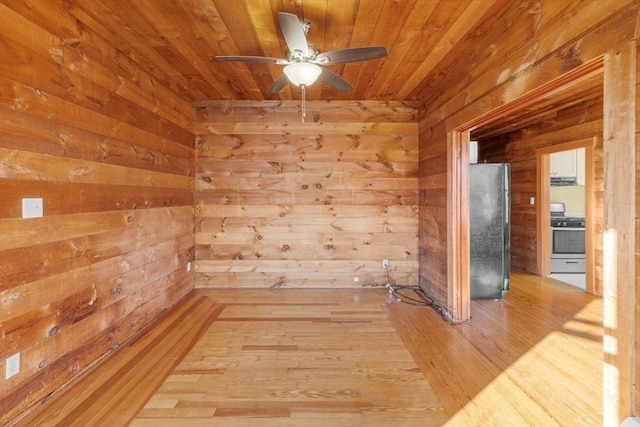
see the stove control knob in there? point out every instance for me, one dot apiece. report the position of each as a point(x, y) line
point(581, 223)
point(564, 223)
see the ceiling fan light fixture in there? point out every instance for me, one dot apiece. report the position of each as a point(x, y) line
point(303, 63)
point(302, 73)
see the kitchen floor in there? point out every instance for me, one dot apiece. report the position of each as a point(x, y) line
point(574, 279)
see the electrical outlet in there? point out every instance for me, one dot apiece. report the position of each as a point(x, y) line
point(356, 279)
point(189, 266)
point(385, 263)
point(12, 366)
point(32, 207)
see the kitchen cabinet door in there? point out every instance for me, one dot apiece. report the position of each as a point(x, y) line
point(564, 164)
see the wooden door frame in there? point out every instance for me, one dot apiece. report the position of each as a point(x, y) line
point(619, 242)
point(458, 182)
point(543, 223)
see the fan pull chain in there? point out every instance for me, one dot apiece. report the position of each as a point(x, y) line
point(304, 104)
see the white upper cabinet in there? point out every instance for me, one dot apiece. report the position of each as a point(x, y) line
point(569, 164)
point(563, 164)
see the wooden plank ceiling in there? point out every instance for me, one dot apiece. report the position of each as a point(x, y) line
point(177, 41)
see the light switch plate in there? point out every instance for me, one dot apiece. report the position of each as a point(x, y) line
point(32, 207)
point(12, 366)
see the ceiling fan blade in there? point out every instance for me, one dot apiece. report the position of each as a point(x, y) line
point(278, 85)
point(335, 81)
point(352, 54)
point(255, 59)
point(293, 33)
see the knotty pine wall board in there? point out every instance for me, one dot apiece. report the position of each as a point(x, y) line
point(325, 111)
point(90, 99)
point(316, 170)
point(72, 198)
point(240, 128)
point(637, 243)
point(54, 138)
point(310, 148)
point(280, 203)
point(75, 51)
point(108, 144)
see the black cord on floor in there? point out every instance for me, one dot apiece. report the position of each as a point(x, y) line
point(397, 291)
point(424, 301)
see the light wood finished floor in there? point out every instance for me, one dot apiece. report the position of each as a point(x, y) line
point(350, 358)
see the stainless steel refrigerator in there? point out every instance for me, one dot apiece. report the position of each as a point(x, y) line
point(489, 218)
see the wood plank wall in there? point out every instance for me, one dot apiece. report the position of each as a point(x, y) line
point(281, 203)
point(528, 48)
point(578, 122)
point(114, 164)
point(636, 388)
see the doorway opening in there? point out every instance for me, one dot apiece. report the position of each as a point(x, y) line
point(565, 182)
point(515, 115)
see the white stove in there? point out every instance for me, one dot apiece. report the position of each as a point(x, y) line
point(567, 241)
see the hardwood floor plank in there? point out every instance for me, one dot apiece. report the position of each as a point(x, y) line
point(300, 362)
point(519, 361)
point(350, 357)
point(129, 377)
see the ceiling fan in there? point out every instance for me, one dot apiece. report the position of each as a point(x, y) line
point(304, 64)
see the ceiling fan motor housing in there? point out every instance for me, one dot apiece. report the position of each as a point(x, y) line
point(298, 56)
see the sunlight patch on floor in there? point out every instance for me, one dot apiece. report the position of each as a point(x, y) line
point(516, 392)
